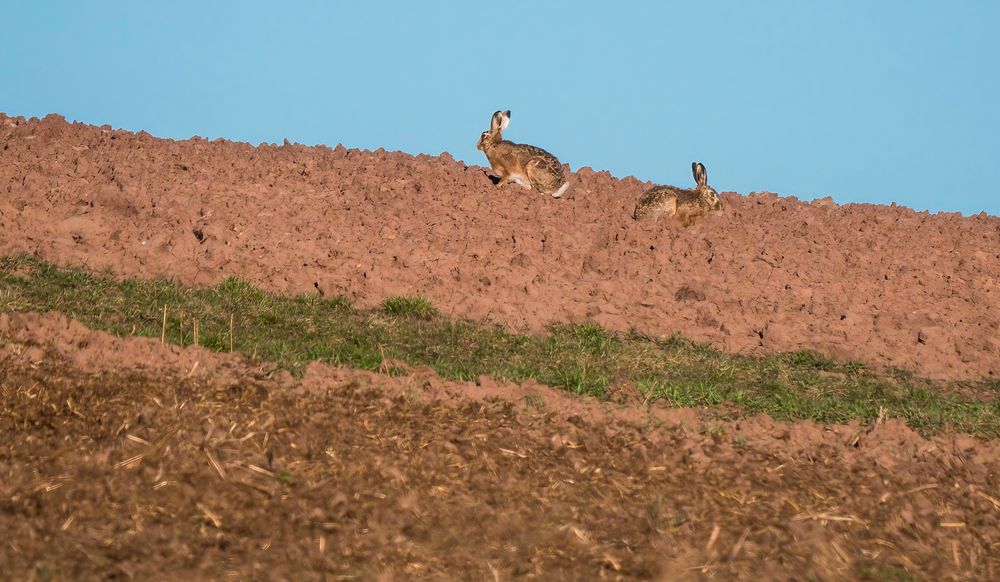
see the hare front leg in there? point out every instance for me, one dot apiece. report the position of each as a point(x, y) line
point(498, 175)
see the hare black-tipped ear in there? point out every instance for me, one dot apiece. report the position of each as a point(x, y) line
point(504, 119)
point(700, 175)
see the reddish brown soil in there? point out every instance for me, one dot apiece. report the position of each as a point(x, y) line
point(124, 458)
point(883, 285)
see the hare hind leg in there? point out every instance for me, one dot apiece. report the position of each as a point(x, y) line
point(520, 179)
point(543, 180)
point(668, 207)
point(690, 217)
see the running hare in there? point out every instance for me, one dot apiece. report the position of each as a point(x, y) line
point(527, 165)
point(683, 204)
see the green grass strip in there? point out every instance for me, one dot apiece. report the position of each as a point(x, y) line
point(292, 331)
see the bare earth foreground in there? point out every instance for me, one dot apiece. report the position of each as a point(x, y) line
point(123, 458)
point(140, 460)
point(881, 285)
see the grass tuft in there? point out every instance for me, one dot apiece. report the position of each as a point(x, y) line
point(409, 306)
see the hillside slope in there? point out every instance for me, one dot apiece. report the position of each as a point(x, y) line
point(882, 285)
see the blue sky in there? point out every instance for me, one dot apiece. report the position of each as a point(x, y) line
point(863, 101)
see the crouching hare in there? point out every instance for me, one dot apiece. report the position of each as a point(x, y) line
point(527, 165)
point(685, 205)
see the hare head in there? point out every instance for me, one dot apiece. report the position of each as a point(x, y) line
point(493, 136)
point(706, 193)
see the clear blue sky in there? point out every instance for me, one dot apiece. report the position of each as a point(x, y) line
point(863, 101)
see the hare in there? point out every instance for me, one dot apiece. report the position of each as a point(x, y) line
point(685, 205)
point(527, 165)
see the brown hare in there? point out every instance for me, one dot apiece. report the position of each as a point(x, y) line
point(685, 205)
point(527, 165)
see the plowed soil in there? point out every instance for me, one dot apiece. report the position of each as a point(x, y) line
point(882, 285)
point(123, 458)
point(128, 459)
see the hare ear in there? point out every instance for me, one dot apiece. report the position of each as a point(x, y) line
point(496, 120)
point(700, 175)
point(504, 120)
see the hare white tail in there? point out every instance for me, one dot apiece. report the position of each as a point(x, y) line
point(562, 190)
